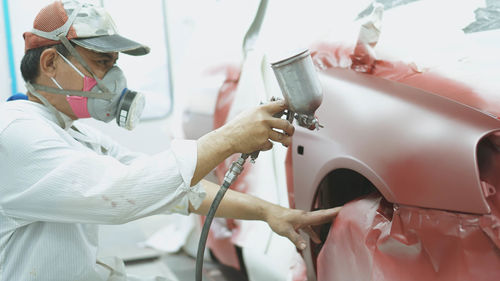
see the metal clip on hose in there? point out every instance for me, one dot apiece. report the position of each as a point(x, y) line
point(230, 177)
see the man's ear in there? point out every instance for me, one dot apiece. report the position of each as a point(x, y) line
point(48, 62)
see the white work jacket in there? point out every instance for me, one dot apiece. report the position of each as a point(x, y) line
point(58, 184)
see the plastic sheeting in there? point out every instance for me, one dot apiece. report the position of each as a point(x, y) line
point(374, 240)
point(486, 18)
point(387, 4)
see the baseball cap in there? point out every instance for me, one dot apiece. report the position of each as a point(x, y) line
point(84, 24)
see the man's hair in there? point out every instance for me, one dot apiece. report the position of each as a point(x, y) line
point(30, 64)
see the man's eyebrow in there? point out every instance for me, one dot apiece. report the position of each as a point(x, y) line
point(105, 55)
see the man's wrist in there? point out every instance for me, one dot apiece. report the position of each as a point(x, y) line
point(270, 211)
point(223, 142)
point(212, 149)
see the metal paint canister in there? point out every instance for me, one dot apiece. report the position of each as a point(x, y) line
point(299, 83)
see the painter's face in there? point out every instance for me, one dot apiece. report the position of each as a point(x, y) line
point(53, 66)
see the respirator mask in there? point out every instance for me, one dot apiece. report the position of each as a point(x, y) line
point(103, 100)
point(123, 104)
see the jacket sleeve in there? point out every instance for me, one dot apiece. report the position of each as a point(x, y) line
point(44, 178)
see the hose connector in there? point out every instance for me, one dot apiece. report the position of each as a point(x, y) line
point(235, 169)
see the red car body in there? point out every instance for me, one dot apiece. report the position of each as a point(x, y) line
point(412, 153)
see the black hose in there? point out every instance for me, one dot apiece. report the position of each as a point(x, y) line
point(206, 228)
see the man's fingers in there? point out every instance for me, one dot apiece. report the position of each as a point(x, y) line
point(280, 137)
point(296, 239)
point(267, 146)
point(322, 216)
point(282, 124)
point(274, 107)
point(312, 234)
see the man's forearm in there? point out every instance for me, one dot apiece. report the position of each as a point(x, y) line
point(213, 148)
point(234, 205)
point(283, 221)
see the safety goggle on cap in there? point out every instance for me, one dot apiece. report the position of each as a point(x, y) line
point(84, 24)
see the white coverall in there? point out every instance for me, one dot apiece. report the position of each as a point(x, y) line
point(58, 184)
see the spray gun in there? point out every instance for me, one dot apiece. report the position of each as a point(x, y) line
point(300, 86)
point(301, 89)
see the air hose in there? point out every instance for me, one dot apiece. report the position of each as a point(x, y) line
point(230, 177)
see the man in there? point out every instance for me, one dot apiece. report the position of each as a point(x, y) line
point(60, 179)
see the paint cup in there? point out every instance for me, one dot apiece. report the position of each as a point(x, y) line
point(300, 86)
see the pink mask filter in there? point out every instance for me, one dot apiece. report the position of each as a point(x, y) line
point(79, 104)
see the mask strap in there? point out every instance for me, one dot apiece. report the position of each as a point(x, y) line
point(74, 53)
point(32, 90)
point(103, 96)
point(55, 82)
point(70, 64)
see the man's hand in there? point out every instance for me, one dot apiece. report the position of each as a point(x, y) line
point(287, 223)
point(250, 131)
point(253, 129)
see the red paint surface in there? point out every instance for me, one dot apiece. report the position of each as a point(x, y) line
point(226, 94)
point(289, 176)
point(430, 80)
point(375, 240)
point(224, 251)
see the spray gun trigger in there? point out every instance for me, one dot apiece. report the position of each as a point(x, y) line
point(280, 114)
point(254, 156)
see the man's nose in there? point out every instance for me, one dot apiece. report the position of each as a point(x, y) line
point(100, 73)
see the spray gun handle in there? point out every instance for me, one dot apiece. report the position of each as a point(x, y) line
point(252, 156)
point(290, 115)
